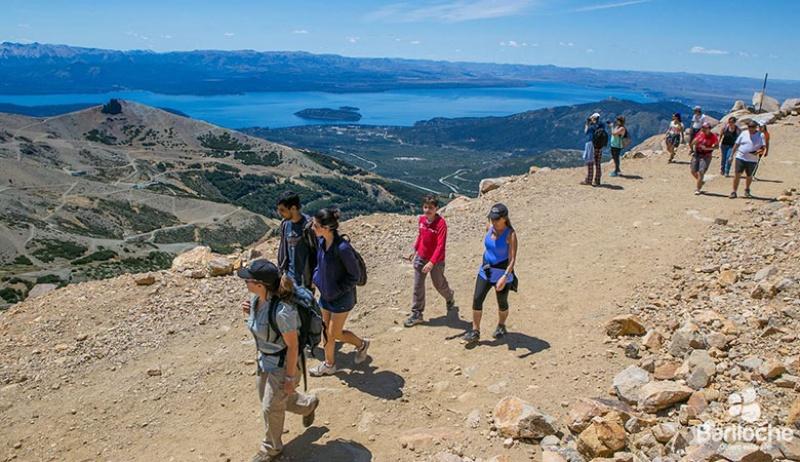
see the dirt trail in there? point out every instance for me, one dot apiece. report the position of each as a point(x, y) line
point(582, 252)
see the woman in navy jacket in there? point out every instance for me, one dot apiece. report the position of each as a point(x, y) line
point(335, 276)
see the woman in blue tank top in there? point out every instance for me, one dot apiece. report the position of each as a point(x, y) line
point(496, 271)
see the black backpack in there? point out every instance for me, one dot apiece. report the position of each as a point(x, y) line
point(600, 138)
point(362, 265)
point(312, 329)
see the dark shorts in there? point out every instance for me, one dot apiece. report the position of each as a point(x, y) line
point(342, 304)
point(674, 139)
point(700, 163)
point(743, 166)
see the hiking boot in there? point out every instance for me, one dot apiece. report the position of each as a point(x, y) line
point(414, 319)
point(733, 195)
point(500, 331)
point(747, 193)
point(322, 369)
point(472, 336)
point(613, 174)
point(308, 419)
point(451, 305)
point(361, 353)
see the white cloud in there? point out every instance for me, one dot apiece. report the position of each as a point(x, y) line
point(24, 26)
point(607, 6)
point(300, 31)
point(516, 44)
point(228, 34)
point(707, 51)
point(353, 39)
point(138, 36)
point(450, 11)
point(167, 36)
point(415, 42)
point(590, 50)
point(566, 44)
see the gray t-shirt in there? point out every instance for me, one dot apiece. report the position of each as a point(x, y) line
point(267, 340)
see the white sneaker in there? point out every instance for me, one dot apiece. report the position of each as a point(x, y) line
point(322, 369)
point(361, 353)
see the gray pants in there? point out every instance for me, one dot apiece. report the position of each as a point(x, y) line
point(439, 283)
point(274, 404)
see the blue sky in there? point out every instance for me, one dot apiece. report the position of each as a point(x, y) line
point(717, 37)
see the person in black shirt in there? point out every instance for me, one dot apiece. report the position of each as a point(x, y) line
point(297, 251)
point(728, 136)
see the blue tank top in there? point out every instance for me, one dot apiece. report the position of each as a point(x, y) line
point(495, 251)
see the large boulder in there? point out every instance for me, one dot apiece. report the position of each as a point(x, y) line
point(791, 104)
point(219, 266)
point(793, 420)
point(196, 258)
point(515, 418)
point(767, 103)
point(583, 412)
point(739, 105)
point(656, 396)
point(490, 184)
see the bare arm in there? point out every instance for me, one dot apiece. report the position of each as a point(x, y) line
point(512, 251)
point(292, 352)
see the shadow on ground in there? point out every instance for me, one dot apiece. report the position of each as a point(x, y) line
point(306, 448)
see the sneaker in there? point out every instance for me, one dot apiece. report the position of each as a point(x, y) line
point(747, 193)
point(613, 174)
point(697, 192)
point(500, 331)
point(586, 183)
point(414, 319)
point(308, 419)
point(733, 195)
point(322, 369)
point(361, 353)
point(264, 456)
point(451, 305)
point(472, 336)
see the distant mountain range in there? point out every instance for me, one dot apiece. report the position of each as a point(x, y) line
point(123, 187)
point(50, 69)
point(455, 154)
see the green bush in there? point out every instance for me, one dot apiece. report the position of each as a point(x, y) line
point(48, 279)
point(268, 159)
point(100, 136)
point(11, 295)
point(100, 255)
point(49, 250)
point(22, 260)
point(222, 142)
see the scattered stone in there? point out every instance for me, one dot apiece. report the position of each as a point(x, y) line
point(728, 278)
point(653, 340)
point(601, 439)
point(219, 266)
point(771, 369)
point(629, 382)
point(624, 325)
point(515, 418)
point(656, 396)
point(744, 452)
point(144, 279)
point(154, 372)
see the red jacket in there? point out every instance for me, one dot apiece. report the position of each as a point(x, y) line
point(431, 239)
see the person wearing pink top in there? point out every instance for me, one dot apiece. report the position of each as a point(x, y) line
point(428, 257)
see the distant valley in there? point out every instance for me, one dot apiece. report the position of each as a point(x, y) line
point(453, 155)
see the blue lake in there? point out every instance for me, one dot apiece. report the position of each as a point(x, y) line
point(397, 107)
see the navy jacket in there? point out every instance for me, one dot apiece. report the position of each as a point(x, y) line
point(337, 269)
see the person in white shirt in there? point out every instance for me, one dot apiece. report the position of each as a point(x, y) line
point(748, 150)
point(698, 119)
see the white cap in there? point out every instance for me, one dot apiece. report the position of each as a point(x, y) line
point(698, 108)
point(596, 115)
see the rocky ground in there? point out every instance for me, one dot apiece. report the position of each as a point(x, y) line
point(643, 311)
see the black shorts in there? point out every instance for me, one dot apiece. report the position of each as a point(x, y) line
point(743, 166)
point(674, 139)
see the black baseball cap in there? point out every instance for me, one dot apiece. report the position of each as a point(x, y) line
point(262, 271)
point(498, 211)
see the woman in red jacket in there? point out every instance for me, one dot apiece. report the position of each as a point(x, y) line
point(428, 257)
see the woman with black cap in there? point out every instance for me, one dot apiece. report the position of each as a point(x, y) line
point(496, 271)
point(274, 323)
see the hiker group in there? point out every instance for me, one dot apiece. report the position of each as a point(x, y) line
point(287, 319)
point(740, 147)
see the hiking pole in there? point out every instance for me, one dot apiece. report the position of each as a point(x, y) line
point(763, 92)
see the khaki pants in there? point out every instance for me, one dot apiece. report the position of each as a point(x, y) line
point(439, 283)
point(274, 404)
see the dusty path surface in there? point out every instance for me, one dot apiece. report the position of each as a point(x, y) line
point(109, 371)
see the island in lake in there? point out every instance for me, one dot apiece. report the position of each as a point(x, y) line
point(343, 114)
